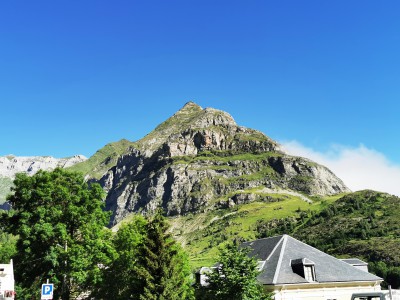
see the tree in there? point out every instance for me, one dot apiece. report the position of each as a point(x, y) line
point(60, 224)
point(163, 268)
point(236, 277)
point(120, 280)
point(7, 247)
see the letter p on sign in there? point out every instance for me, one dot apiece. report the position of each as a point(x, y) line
point(47, 291)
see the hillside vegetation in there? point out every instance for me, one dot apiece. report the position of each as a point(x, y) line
point(202, 233)
point(353, 220)
point(364, 224)
point(104, 159)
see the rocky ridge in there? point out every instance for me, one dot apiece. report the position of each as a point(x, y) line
point(11, 165)
point(201, 159)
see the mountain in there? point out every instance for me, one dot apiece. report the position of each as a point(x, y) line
point(200, 159)
point(219, 181)
point(11, 165)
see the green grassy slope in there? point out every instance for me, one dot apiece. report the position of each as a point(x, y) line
point(5, 185)
point(363, 224)
point(202, 234)
point(103, 159)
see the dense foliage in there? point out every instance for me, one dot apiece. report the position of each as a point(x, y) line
point(120, 280)
point(147, 264)
point(7, 247)
point(59, 222)
point(235, 277)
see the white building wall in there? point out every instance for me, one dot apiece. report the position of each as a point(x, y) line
point(395, 294)
point(323, 293)
point(6, 279)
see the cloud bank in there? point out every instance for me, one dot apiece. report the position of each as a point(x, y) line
point(360, 168)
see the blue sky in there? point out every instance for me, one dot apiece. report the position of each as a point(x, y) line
point(75, 75)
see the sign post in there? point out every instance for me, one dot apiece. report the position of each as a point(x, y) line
point(47, 291)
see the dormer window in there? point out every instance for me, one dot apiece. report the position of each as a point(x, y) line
point(309, 273)
point(304, 268)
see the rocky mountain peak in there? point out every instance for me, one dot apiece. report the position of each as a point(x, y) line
point(193, 129)
point(189, 107)
point(196, 116)
point(213, 117)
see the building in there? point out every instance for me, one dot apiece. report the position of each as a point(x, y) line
point(7, 291)
point(201, 275)
point(293, 270)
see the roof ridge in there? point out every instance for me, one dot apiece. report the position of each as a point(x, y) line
point(276, 246)
point(353, 258)
point(284, 239)
point(266, 238)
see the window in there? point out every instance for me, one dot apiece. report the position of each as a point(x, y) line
point(304, 268)
point(309, 273)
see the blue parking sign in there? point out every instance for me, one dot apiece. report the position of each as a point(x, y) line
point(47, 291)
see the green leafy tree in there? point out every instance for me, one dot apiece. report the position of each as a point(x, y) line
point(7, 247)
point(60, 224)
point(120, 280)
point(163, 268)
point(235, 278)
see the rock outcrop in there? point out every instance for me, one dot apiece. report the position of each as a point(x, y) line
point(200, 158)
point(11, 165)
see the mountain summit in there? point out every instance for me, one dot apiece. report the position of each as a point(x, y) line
point(193, 129)
point(200, 159)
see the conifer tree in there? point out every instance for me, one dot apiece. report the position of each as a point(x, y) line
point(162, 267)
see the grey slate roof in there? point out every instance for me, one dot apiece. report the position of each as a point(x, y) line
point(280, 251)
point(354, 261)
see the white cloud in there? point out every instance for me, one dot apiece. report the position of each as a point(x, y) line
point(359, 168)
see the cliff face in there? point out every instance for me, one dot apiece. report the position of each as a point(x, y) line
point(201, 159)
